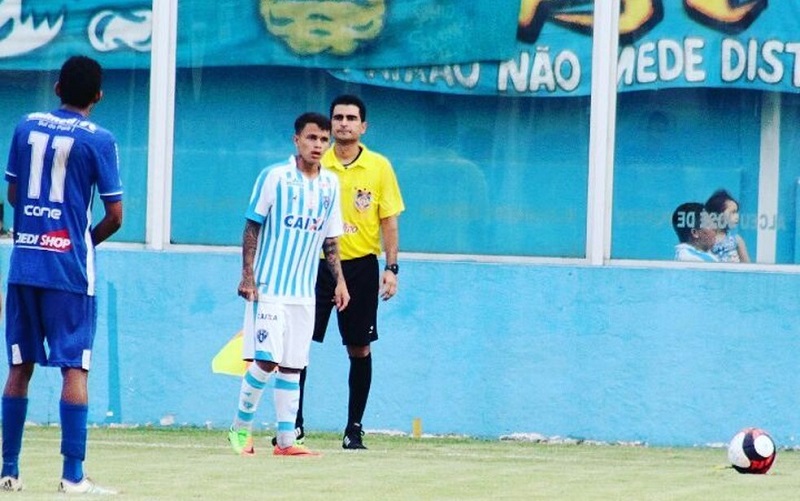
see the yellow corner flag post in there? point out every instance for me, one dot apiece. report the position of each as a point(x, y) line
point(416, 427)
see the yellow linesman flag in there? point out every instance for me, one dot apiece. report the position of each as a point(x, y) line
point(229, 359)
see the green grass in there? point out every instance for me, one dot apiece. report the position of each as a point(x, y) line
point(177, 464)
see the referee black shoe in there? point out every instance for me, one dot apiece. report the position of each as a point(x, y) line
point(352, 437)
point(299, 437)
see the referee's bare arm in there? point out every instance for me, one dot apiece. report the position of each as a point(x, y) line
point(390, 238)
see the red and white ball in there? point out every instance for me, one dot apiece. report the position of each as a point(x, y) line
point(752, 450)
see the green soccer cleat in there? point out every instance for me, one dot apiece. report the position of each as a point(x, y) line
point(241, 441)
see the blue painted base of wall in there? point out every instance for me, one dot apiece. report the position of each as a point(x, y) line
point(667, 357)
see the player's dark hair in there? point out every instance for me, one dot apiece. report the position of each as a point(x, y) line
point(352, 100)
point(311, 117)
point(685, 218)
point(79, 81)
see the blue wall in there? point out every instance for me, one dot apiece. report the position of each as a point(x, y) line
point(664, 356)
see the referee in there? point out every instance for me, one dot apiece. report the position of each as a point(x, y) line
point(371, 204)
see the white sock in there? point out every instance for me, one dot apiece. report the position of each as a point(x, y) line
point(287, 400)
point(253, 384)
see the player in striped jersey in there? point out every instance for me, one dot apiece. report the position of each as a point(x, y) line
point(294, 212)
point(56, 163)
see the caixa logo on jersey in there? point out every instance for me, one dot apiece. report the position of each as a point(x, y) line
point(307, 223)
point(57, 241)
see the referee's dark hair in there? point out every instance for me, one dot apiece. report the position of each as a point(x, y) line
point(350, 99)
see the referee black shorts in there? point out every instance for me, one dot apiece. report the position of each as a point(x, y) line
point(358, 322)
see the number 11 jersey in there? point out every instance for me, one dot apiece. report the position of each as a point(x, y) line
point(58, 160)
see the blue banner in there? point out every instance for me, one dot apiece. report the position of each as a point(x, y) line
point(509, 47)
point(40, 34)
point(663, 44)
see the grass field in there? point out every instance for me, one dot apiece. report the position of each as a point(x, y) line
point(176, 464)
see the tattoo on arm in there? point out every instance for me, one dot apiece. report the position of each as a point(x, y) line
point(331, 250)
point(249, 243)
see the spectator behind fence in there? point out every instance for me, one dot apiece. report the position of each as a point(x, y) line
point(730, 246)
point(696, 233)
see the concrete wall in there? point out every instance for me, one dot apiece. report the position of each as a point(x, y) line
point(665, 356)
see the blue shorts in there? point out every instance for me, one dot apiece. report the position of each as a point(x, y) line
point(50, 327)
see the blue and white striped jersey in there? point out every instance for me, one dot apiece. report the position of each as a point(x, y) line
point(58, 160)
point(297, 214)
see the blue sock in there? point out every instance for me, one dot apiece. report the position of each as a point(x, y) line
point(73, 439)
point(14, 411)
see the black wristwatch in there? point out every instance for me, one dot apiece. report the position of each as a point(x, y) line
point(393, 268)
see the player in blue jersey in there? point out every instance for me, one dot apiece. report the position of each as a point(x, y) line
point(294, 212)
point(56, 163)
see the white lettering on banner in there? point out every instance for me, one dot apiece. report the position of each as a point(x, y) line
point(664, 60)
point(740, 61)
point(451, 75)
point(532, 73)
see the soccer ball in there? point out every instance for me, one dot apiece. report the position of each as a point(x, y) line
point(751, 450)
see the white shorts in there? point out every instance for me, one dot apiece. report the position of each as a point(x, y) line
point(278, 332)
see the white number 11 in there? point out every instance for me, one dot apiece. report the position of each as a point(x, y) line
point(58, 171)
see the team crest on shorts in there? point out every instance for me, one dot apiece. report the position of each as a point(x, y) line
point(363, 200)
point(261, 335)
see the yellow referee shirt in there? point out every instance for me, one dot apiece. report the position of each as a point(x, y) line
point(369, 193)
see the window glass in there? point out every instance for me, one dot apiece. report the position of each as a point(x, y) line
point(491, 157)
point(707, 99)
point(35, 42)
point(676, 146)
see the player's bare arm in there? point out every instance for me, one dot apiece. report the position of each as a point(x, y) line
point(247, 286)
point(341, 296)
point(111, 222)
point(11, 194)
point(390, 238)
